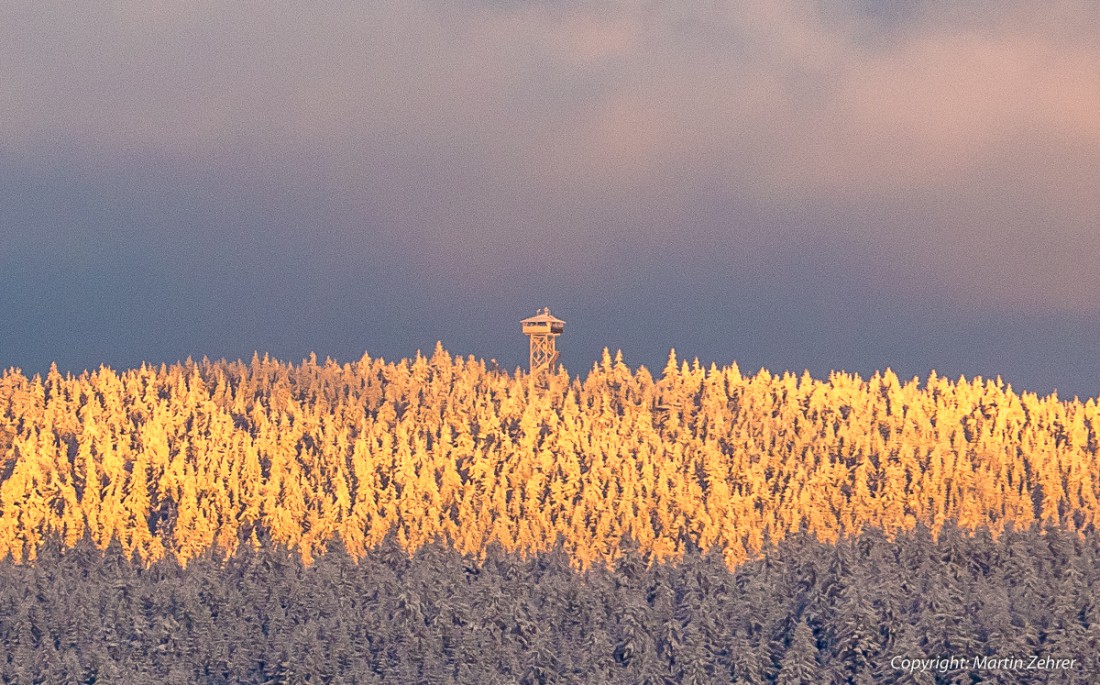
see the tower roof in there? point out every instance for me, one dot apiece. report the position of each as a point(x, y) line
point(543, 316)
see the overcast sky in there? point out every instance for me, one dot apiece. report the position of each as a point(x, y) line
point(823, 185)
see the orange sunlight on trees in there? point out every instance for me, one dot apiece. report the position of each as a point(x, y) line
point(198, 456)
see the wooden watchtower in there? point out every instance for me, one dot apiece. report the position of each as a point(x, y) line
point(543, 330)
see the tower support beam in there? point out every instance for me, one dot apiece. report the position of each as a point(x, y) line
point(544, 353)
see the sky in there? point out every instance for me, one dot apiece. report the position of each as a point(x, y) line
point(829, 184)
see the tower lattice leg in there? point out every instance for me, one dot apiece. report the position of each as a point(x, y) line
point(544, 353)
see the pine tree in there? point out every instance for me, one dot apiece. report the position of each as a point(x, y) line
point(800, 661)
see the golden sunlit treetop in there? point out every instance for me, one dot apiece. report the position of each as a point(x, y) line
point(204, 456)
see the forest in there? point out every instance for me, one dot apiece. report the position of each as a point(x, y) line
point(700, 525)
point(805, 612)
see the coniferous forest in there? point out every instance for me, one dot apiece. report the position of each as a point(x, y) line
point(435, 520)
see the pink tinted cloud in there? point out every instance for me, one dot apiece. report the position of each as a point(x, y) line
point(958, 149)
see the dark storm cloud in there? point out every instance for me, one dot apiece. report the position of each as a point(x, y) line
point(794, 184)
